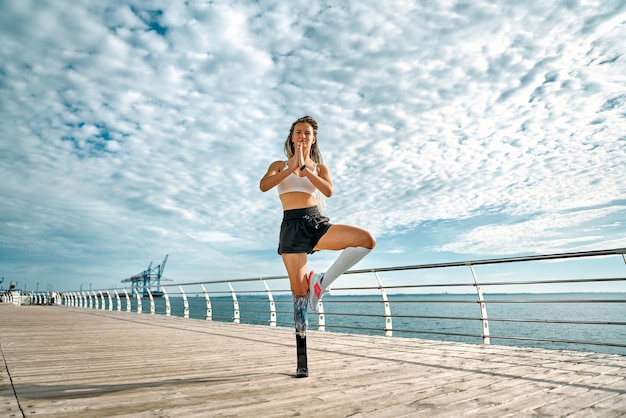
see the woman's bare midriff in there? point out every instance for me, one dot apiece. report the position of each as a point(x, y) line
point(297, 200)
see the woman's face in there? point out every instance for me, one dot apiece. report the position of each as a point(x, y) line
point(303, 133)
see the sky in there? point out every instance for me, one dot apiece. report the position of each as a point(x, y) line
point(453, 130)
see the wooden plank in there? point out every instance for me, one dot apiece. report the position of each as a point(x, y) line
point(73, 362)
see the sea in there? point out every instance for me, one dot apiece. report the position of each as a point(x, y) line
point(558, 321)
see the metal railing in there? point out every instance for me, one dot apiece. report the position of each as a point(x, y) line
point(576, 317)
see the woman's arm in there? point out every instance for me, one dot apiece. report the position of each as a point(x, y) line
point(275, 174)
point(322, 180)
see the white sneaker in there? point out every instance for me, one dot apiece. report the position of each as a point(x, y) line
point(316, 291)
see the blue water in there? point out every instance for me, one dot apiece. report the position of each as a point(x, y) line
point(445, 317)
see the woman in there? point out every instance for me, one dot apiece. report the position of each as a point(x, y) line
point(304, 230)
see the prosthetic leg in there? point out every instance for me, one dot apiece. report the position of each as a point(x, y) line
point(302, 323)
point(302, 369)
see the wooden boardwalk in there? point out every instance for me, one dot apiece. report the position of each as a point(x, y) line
point(72, 362)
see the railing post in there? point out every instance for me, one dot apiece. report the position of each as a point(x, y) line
point(84, 301)
point(168, 306)
point(104, 304)
point(235, 305)
point(388, 321)
point(209, 310)
point(321, 319)
point(270, 297)
point(110, 300)
point(483, 308)
point(139, 307)
point(117, 300)
point(96, 302)
point(152, 309)
point(127, 300)
point(185, 303)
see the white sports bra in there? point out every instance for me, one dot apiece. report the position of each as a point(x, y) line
point(295, 183)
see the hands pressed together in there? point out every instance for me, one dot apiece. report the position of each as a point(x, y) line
point(295, 164)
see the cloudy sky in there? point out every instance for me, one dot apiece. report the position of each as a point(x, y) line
point(453, 130)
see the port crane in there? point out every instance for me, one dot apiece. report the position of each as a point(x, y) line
point(149, 279)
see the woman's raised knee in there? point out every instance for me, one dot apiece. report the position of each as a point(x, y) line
point(369, 241)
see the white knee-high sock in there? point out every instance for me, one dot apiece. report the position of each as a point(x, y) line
point(348, 258)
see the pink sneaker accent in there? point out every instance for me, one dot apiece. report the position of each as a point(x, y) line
point(316, 291)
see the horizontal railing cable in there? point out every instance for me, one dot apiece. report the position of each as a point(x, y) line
point(401, 308)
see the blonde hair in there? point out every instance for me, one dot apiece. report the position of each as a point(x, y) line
point(315, 153)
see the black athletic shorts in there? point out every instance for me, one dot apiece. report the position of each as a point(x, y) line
point(301, 230)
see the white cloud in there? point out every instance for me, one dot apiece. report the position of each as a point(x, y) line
point(545, 233)
point(148, 133)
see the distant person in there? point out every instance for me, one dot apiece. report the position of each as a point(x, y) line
point(304, 230)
